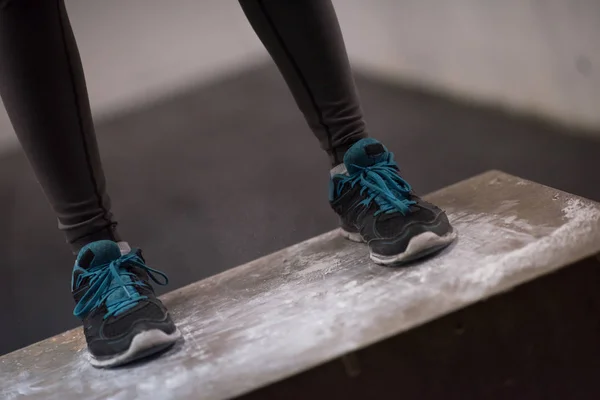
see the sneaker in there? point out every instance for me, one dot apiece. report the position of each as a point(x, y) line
point(378, 207)
point(122, 319)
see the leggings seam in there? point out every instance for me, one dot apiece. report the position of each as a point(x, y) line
point(80, 121)
point(303, 80)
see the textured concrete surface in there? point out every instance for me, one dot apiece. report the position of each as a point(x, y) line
point(225, 173)
point(315, 301)
point(538, 341)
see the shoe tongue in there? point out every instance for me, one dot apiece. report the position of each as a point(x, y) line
point(98, 253)
point(365, 153)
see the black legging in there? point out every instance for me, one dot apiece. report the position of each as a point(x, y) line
point(43, 88)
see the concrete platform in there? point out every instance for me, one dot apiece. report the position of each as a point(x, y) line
point(495, 315)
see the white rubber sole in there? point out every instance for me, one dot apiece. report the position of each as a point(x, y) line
point(142, 345)
point(419, 246)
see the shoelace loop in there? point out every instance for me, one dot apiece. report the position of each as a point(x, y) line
point(107, 279)
point(384, 186)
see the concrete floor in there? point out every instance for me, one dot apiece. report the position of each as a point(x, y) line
point(224, 173)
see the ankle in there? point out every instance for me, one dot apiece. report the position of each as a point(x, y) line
point(107, 233)
point(336, 155)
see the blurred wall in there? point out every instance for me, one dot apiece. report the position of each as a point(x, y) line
point(539, 56)
point(135, 51)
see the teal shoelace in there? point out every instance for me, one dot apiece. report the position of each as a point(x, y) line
point(383, 185)
point(113, 285)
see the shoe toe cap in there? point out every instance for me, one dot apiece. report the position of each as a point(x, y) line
point(396, 241)
point(118, 331)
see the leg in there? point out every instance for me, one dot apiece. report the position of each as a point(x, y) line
point(305, 41)
point(374, 203)
point(43, 88)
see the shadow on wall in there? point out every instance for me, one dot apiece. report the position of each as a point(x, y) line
point(225, 173)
